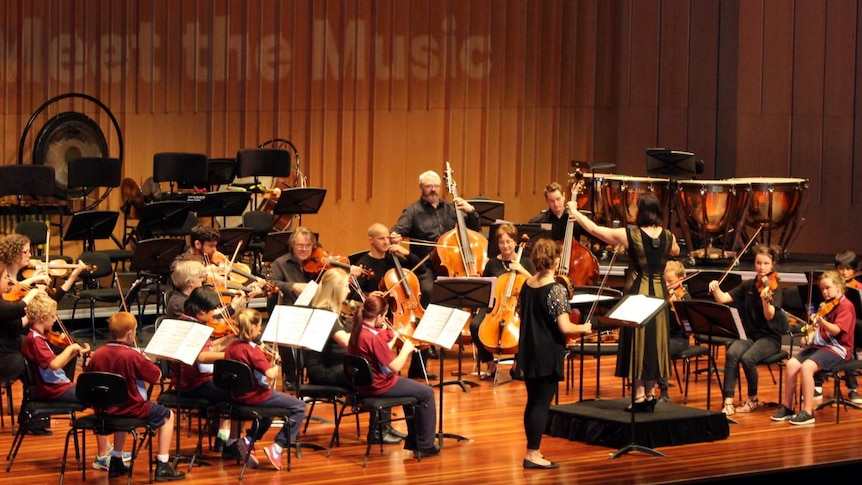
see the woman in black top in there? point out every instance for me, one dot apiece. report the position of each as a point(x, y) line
point(544, 309)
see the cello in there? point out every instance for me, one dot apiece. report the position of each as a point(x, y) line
point(463, 251)
point(500, 331)
point(578, 265)
point(403, 287)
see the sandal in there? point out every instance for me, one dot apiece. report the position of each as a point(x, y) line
point(749, 406)
point(729, 409)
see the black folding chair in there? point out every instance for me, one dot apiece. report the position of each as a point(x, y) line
point(101, 390)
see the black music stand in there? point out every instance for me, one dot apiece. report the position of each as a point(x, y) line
point(672, 163)
point(276, 244)
point(489, 211)
point(223, 204)
point(91, 172)
point(643, 319)
point(221, 171)
point(713, 320)
point(162, 216)
point(232, 237)
point(186, 169)
point(31, 180)
point(87, 226)
point(604, 298)
point(262, 162)
point(471, 294)
point(298, 201)
point(151, 260)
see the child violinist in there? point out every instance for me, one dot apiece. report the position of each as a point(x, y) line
point(759, 303)
point(678, 338)
point(829, 342)
point(244, 349)
point(846, 263)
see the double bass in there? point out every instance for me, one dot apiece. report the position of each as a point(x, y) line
point(463, 251)
point(578, 265)
point(500, 331)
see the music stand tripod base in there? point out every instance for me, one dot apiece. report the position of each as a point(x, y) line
point(472, 293)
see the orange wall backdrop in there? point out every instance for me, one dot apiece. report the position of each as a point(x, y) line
point(374, 92)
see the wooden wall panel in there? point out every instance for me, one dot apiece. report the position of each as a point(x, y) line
point(372, 92)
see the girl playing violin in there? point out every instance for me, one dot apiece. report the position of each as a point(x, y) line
point(15, 254)
point(828, 343)
point(678, 338)
point(243, 349)
point(764, 322)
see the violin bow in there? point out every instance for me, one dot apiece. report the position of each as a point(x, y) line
point(739, 254)
point(603, 283)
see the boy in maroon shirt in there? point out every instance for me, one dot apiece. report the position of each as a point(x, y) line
point(120, 357)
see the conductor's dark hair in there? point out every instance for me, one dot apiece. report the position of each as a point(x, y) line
point(649, 210)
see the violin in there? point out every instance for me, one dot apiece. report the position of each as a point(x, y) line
point(240, 269)
point(768, 282)
point(18, 291)
point(577, 263)
point(500, 331)
point(221, 328)
point(56, 268)
point(463, 251)
point(824, 309)
point(320, 260)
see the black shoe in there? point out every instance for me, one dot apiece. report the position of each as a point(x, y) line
point(649, 404)
point(394, 432)
point(431, 451)
point(388, 439)
point(40, 432)
point(166, 473)
point(218, 447)
point(536, 466)
point(117, 468)
point(230, 452)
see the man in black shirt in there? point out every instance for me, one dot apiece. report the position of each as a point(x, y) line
point(556, 214)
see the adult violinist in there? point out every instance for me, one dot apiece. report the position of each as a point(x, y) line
point(203, 249)
point(190, 274)
point(764, 322)
point(379, 260)
point(424, 221)
point(507, 243)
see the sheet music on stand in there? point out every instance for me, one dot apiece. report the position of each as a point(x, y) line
point(633, 311)
point(180, 340)
point(297, 326)
point(441, 325)
point(304, 298)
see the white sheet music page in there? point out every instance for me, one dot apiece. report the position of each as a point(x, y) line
point(441, 325)
point(738, 322)
point(298, 326)
point(304, 298)
point(317, 329)
point(180, 340)
point(636, 308)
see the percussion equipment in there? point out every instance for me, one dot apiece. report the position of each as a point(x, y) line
point(590, 197)
point(620, 195)
point(710, 211)
point(775, 203)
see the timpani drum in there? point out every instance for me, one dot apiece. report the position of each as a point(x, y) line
point(775, 203)
point(620, 195)
point(710, 212)
point(590, 197)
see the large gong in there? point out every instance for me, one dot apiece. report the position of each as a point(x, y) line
point(66, 137)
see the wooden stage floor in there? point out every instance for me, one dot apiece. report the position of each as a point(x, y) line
point(491, 417)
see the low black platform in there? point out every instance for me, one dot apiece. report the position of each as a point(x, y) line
point(604, 422)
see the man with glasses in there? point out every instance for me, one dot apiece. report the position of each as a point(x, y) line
point(424, 221)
